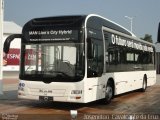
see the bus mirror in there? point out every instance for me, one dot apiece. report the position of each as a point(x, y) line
point(8, 41)
point(89, 48)
point(158, 39)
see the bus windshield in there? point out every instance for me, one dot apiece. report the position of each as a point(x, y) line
point(53, 62)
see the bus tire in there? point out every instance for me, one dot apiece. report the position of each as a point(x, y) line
point(108, 93)
point(144, 85)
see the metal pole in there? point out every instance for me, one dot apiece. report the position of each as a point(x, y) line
point(1, 45)
point(131, 24)
point(131, 20)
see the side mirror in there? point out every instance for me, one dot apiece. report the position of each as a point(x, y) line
point(89, 48)
point(8, 41)
point(158, 38)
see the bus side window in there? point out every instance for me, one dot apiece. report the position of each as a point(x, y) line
point(113, 57)
point(144, 58)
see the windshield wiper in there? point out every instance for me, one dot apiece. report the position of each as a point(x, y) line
point(59, 73)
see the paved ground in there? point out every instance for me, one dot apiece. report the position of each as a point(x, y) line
point(143, 105)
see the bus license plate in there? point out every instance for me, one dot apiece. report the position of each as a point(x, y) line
point(45, 98)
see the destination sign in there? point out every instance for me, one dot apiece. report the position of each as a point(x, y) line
point(52, 35)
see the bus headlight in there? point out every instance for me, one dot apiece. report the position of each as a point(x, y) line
point(76, 92)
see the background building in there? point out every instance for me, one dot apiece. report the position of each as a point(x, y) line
point(11, 60)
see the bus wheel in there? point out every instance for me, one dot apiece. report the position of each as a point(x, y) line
point(144, 85)
point(108, 93)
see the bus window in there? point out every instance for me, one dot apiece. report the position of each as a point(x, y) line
point(130, 57)
point(95, 59)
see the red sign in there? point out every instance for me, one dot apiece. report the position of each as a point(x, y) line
point(12, 58)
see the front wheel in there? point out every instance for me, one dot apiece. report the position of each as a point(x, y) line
point(108, 94)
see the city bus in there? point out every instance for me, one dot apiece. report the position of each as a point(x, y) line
point(80, 59)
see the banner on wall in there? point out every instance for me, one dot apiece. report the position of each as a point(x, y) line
point(11, 61)
point(12, 58)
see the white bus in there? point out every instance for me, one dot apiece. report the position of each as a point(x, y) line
point(81, 59)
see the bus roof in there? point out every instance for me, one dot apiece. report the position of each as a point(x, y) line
point(89, 21)
point(110, 22)
point(112, 25)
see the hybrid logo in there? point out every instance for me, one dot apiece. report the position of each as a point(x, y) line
point(51, 32)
